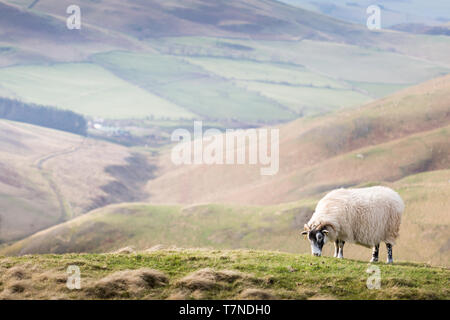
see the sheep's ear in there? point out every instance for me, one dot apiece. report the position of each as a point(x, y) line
point(305, 232)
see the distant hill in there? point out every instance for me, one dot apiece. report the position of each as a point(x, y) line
point(403, 134)
point(236, 18)
point(49, 176)
point(34, 37)
point(423, 29)
point(392, 12)
point(130, 25)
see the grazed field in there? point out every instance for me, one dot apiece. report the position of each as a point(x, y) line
point(215, 274)
point(87, 89)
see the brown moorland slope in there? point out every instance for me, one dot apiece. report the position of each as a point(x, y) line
point(318, 154)
point(48, 176)
point(151, 18)
point(31, 36)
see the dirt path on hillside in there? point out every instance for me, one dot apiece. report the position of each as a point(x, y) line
point(64, 212)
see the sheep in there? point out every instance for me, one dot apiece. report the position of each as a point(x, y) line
point(365, 216)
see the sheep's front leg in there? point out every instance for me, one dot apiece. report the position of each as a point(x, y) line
point(341, 249)
point(336, 248)
point(376, 250)
point(389, 253)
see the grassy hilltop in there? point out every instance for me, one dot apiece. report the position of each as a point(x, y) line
point(215, 274)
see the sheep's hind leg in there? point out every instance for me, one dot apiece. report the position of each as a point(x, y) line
point(336, 248)
point(341, 249)
point(376, 250)
point(389, 253)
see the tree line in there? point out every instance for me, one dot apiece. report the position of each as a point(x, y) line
point(44, 116)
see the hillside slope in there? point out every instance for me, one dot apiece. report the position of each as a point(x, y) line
point(215, 274)
point(377, 141)
point(49, 176)
point(38, 37)
point(298, 62)
point(424, 233)
point(150, 19)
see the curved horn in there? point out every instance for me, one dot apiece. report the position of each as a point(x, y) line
point(322, 226)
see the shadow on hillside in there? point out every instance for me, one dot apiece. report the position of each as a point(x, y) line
point(128, 183)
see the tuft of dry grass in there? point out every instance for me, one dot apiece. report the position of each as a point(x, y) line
point(125, 250)
point(18, 286)
point(155, 248)
point(54, 276)
point(306, 293)
point(199, 280)
point(17, 273)
point(257, 294)
point(127, 283)
point(207, 279)
point(29, 281)
point(178, 295)
point(322, 297)
point(16, 289)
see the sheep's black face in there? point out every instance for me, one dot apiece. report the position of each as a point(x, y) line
point(317, 238)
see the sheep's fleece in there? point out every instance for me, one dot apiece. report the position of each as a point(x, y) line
point(365, 216)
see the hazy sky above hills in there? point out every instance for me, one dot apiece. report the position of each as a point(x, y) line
point(393, 12)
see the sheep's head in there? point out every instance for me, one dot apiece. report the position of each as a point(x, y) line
point(317, 236)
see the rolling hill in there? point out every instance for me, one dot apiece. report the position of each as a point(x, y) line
point(392, 12)
point(49, 176)
point(424, 230)
point(236, 18)
point(403, 134)
point(36, 37)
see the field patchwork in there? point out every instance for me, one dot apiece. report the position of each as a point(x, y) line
point(87, 89)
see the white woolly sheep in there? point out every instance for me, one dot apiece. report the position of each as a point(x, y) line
point(365, 216)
